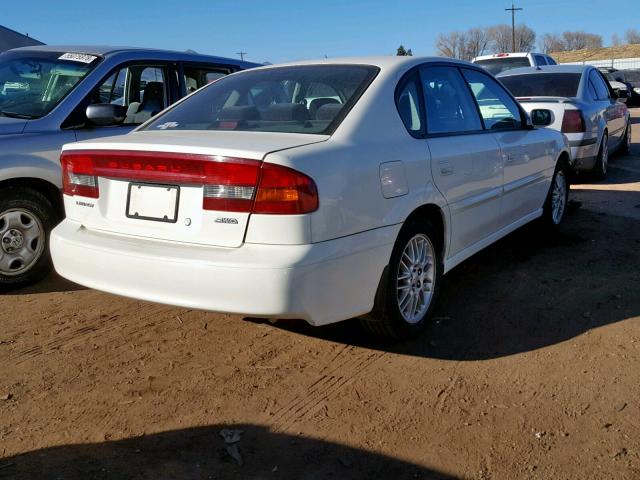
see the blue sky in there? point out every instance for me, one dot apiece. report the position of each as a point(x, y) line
point(280, 30)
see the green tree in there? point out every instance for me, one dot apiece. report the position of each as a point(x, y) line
point(402, 52)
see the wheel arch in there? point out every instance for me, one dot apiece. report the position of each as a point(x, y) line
point(48, 189)
point(436, 215)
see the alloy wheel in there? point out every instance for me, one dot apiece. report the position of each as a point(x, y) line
point(415, 278)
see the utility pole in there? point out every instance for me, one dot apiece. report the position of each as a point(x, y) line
point(513, 10)
point(242, 54)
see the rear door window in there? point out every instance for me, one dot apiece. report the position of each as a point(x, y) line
point(602, 91)
point(408, 104)
point(541, 60)
point(196, 77)
point(449, 107)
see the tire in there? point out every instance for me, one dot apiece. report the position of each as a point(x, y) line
point(602, 162)
point(392, 317)
point(26, 220)
point(555, 205)
point(625, 147)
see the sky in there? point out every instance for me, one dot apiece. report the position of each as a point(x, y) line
point(286, 30)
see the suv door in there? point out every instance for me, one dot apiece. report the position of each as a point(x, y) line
point(145, 88)
point(465, 161)
point(527, 165)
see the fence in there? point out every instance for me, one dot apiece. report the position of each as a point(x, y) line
point(618, 63)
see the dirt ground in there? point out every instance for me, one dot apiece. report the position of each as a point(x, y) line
point(531, 370)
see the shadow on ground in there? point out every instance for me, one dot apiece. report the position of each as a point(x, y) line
point(52, 283)
point(199, 453)
point(529, 290)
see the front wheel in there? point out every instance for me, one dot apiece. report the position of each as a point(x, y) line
point(407, 294)
point(555, 205)
point(26, 219)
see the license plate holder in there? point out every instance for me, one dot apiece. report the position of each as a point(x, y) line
point(154, 202)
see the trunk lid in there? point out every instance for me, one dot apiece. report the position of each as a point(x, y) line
point(557, 105)
point(147, 203)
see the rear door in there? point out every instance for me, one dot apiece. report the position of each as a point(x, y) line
point(527, 165)
point(612, 110)
point(466, 163)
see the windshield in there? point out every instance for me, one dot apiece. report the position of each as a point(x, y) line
point(302, 99)
point(542, 84)
point(32, 83)
point(501, 64)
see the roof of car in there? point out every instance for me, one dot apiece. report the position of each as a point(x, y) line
point(545, 69)
point(384, 62)
point(503, 55)
point(105, 51)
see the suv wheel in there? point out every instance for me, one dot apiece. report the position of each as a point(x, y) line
point(26, 219)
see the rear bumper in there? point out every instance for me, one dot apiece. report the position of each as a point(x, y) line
point(320, 283)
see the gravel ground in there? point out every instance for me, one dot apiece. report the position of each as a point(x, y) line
point(529, 371)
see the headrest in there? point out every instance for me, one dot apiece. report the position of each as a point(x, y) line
point(286, 112)
point(246, 112)
point(153, 91)
point(316, 103)
point(329, 111)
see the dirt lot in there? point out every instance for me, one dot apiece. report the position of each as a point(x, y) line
point(530, 370)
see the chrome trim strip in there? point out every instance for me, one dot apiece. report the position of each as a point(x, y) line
point(474, 200)
point(523, 182)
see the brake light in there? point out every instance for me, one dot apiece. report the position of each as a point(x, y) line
point(573, 122)
point(498, 55)
point(229, 184)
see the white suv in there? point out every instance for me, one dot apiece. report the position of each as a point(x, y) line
point(318, 191)
point(500, 62)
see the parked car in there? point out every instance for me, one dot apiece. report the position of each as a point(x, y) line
point(501, 62)
point(54, 95)
point(617, 79)
point(632, 76)
point(583, 106)
point(319, 191)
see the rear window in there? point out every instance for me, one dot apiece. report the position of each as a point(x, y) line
point(543, 84)
point(304, 99)
point(501, 64)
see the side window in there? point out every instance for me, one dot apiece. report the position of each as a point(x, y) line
point(196, 77)
point(592, 90)
point(408, 104)
point(498, 110)
point(450, 108)
point(541, 60)
point(602, 91)
point(551, 61)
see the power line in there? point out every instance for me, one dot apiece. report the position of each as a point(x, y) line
point(242, 54)
point(513, 10)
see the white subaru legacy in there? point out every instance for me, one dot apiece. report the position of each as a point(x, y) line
point(319, 191)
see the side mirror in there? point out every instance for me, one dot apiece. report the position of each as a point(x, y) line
point(106, 114)
point(541, 117)
point(622, 94)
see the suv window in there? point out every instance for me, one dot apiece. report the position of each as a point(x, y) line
point(541, 60)
point(408, 103)
point(498, 110)
point(450, 108)
point(602, 91)
point(196, 77)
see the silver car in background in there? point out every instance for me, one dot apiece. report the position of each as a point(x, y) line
point(579, 102)
point(50, 96)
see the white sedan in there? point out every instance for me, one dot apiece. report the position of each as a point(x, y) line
point(319, 191)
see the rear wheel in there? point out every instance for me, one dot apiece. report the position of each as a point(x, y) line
point(26, 219)
point(407, 294)
point(602, 162)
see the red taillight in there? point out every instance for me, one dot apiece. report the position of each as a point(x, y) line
point(229, 184)
point(572, 122)
point(285, 191)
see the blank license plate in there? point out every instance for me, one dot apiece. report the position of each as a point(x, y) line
point(153, 202)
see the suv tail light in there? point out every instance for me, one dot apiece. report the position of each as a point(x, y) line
point(229, 184)
point(573, 122)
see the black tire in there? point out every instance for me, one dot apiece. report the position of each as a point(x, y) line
point(625, 147)
point(386, 319)
point(40, 207)
point(549, 217)
point(602, 161)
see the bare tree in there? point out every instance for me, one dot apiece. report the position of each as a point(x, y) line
point(632, 36)
point(580, 40)
point(552, 42)
point(500, 38)
point(477, 42)
point(450, 44)
point(615, 40)
point(525, 38)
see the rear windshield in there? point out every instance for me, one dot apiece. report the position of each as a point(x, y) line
point(543, 84)
point(303, 99)
point(501, 64)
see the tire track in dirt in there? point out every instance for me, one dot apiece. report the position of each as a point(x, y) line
point(352, 363)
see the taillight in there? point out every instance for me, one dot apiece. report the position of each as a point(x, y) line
point(229, 184)
point(285, 191)
point(573, 122)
